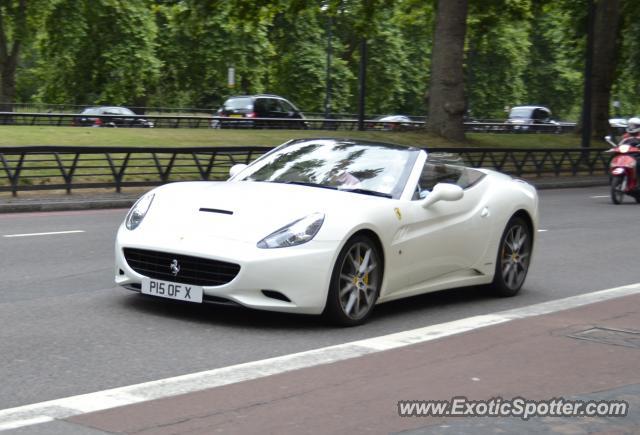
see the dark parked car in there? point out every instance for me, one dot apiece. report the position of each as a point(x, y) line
point(110, 116)
point(246, 111)
point(529, 117)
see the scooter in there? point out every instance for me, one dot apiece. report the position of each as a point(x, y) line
point(623, 171)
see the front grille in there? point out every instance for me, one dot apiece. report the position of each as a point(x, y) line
point(193, 270)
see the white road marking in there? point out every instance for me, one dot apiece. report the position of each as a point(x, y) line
point(101, 400)
point(44, 234)
point(542, 231)
point(26, 422)
point(600, 196)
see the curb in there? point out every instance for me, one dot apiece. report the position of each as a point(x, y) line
point(68, 205)
point(568, 184)
point(45, 205)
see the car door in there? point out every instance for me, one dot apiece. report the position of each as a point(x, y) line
point(449, 237)
point(112, 120)
point(128, 117)
point(289, 111)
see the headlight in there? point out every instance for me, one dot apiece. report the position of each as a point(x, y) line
point(296, 233)
point(138, 211)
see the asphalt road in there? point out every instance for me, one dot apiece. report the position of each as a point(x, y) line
point(66, 330)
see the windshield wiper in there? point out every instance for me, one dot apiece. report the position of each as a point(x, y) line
point(305, 183)
point(368, 192)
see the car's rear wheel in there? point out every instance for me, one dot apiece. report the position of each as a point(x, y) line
point(514, 255)
point(355, 282)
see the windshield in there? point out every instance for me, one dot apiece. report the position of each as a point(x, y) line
point(359, 167)
point(520, 112)
point(91, 111)
point(238, 103)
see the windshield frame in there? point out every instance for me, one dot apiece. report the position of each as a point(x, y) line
point(396, 193)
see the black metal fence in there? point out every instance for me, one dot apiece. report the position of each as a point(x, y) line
point(193, 121)
point(59, 167)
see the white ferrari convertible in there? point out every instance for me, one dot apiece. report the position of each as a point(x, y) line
point(332, 227)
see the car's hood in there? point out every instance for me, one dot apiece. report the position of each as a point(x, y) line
point(243, 210)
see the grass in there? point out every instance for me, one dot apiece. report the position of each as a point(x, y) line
point(164, 137)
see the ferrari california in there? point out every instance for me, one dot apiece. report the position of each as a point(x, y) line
point(331, 227)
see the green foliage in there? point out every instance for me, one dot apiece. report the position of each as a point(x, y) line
point(385, 73)
point(197, 47)
point(552, 76)
point(299, 65)
point(496, 62)
point(178, 52)
point(626, 88)
point(98, 51)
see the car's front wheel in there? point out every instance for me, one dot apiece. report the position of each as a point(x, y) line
point(514, 255)
point(355, 282)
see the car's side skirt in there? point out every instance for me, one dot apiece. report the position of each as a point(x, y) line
point(456, 279)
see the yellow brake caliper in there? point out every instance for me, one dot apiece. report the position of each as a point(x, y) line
point(365, 278)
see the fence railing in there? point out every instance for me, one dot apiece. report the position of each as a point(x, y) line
point(64, 167)
point(193, 121)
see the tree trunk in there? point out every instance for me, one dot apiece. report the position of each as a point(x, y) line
point(446, 97)
point(605, 48)
point(11, 41)
point(8, 84)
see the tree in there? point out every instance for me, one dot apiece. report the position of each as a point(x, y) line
point(200, 42)
point(605, 47)
point(446, 91)
point(298, 67)
point(554, 72)
point(99, 51)
point(415, 19)
point(497, 53)
point(19, 21)
point(626, 89)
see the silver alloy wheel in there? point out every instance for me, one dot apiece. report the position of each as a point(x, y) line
point(359, 280)
point(516, 252)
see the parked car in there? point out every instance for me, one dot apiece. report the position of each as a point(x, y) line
point(618, 122)
point(527, 117)
point(110, 116)
point(246, 111)
point(392, 122)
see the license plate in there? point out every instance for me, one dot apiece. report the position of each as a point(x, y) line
point(172, 290)
point(236, 116)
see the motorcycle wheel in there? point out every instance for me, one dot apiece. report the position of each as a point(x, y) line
point(617, 194)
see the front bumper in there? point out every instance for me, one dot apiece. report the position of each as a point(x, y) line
point(301, 273)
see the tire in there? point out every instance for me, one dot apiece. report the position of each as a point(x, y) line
point(353, 292)
point(513, 259)
point(617, 195)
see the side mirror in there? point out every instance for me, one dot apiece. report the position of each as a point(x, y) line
point(236, 169)
point(609, 139)
point(443, 192)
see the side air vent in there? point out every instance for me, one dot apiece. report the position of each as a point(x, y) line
point(275, 295)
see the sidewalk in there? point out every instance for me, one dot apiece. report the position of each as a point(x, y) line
point(85, 199)
point(542, 357)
